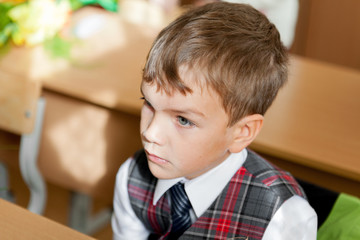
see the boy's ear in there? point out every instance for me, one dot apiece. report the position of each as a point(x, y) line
point(245, 131)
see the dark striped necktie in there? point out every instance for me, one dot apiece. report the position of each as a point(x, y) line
point(180, 207)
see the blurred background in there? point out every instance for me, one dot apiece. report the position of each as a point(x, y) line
point(84, 58)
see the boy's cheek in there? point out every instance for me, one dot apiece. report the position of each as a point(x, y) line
point(146, 116)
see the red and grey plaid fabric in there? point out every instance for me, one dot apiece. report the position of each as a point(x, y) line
point(243, 209)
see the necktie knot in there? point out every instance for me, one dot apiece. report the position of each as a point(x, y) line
point(180, 207)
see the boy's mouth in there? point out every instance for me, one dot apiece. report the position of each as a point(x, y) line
point(155, 159)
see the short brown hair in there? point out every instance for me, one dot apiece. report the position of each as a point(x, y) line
point(234, 46)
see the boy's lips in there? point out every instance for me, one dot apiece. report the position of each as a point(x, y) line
point(155, 159)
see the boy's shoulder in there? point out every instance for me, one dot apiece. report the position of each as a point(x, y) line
point(270, 176)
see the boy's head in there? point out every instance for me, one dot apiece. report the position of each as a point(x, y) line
point(235, 48)
point(209, 78)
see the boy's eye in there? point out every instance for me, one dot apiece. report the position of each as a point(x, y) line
point(146, 102)
point(184, 122)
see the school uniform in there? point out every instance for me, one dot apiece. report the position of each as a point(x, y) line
point(244, 196)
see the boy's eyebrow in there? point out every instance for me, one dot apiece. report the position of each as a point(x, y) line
point(187, 111)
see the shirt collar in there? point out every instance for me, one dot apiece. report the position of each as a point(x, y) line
point(203, 190)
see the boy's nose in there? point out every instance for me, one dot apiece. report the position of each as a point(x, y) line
point(153, 133)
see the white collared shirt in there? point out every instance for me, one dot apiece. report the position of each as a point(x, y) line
point(295, 219)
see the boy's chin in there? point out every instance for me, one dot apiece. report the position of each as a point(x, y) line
point(160, 172)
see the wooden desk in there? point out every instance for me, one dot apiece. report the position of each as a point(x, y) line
point(19, 223)
point(313, 128)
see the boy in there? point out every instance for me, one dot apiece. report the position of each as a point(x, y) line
point(209, 78)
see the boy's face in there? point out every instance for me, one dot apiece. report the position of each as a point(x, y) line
point(184, 135)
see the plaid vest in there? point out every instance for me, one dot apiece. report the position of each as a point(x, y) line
point(242, 210)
